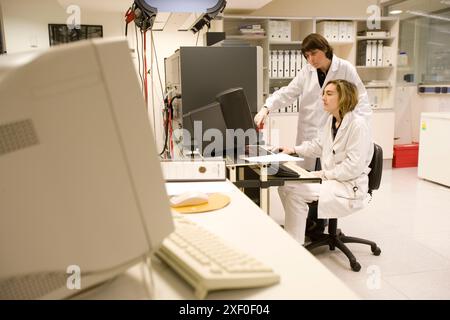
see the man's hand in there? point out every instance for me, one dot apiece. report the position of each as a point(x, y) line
point(261, 116)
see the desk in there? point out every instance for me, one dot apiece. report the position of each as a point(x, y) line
point(236, 175)
point(244, 225)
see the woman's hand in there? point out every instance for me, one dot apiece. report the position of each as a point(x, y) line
point(319, 174)
point(286, 150)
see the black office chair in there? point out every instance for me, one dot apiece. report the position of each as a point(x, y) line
point(335, 238)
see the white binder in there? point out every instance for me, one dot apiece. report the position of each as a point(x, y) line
point(374, 53)
point(350, 31)
point(369, 53)
point(280, 63)
point(380, 53)
point(287, 67)
point(325, 29)
point(342, 30)
point(387, 56)
point(275, 64)
point(293, 63)
point(299, 59)
point(271, 63)
point(304, 62)
point(335, 30)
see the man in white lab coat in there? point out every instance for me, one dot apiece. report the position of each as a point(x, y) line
point(322, 67)
point(345, 149)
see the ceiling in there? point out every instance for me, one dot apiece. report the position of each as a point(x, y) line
point(122, 5)
point(182, 20)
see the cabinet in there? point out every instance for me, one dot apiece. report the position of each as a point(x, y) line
point(434, 154)
point(380, 80)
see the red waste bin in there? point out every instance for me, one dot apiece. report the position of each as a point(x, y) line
point(405, 155)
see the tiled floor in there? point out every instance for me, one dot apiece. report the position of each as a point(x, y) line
point(409, 218)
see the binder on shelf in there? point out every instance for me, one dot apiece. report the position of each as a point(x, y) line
point(368, 53)
point(273, 30)
point(286, 64)
point(350, 36)
point(285, 27)
point(271, 60)
point(293, 64)
point(335, 30)
point(299, 59)
point(374, 53)
point(280, 64)
point(325, 29)
point(304, 62)
point(387, 56)
point(380, 53)
point(342, 30)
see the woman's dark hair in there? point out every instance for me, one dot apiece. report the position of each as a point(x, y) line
point(316, 41)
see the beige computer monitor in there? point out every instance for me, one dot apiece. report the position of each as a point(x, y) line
point(80, 182)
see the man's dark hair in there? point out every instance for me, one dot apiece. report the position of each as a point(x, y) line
point(316, 41)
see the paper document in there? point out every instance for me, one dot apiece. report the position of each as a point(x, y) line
point(279, 157)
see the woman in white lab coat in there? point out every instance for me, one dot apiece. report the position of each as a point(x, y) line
point(345, 149)
point(307, 85)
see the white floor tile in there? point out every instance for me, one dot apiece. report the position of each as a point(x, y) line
point(423, 285)
point(409, 218)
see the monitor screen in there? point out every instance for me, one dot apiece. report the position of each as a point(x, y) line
point(80, 177)
point(206, 130)
point(223, 127)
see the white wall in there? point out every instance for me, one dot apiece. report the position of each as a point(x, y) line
point(166, 43)
point(408, 108)
point(26, 28)
point(317, 8)
point(26, 22)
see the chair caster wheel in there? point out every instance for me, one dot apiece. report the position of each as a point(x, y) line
point(355, 266)
point(376, 251)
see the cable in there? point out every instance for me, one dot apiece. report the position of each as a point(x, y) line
point(157, 66)
point(138, 54)
point(167, 104)
point(168, 111)
point(142, 57)
point(151, 83)
point(145, 71)
point(198, 35)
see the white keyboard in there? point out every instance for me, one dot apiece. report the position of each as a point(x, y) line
point(207, 263)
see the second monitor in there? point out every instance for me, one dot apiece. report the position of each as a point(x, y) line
point(224, 126)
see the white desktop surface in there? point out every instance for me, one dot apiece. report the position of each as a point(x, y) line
point(244, 225)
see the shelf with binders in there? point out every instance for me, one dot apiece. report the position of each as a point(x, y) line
point(375, 54)
point(284, 65)
point(246, 37)
point(288, 31)
point(285, 43)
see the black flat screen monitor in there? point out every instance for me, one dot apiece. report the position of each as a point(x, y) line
point(207, 130)
point(224, 126)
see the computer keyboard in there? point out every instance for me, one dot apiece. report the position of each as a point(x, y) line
point(207, 263)
point(281, 171)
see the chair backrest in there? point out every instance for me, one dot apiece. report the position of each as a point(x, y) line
point(376, 166)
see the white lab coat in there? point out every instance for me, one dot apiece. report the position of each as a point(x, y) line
point(345, 162)
point(311, 116)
